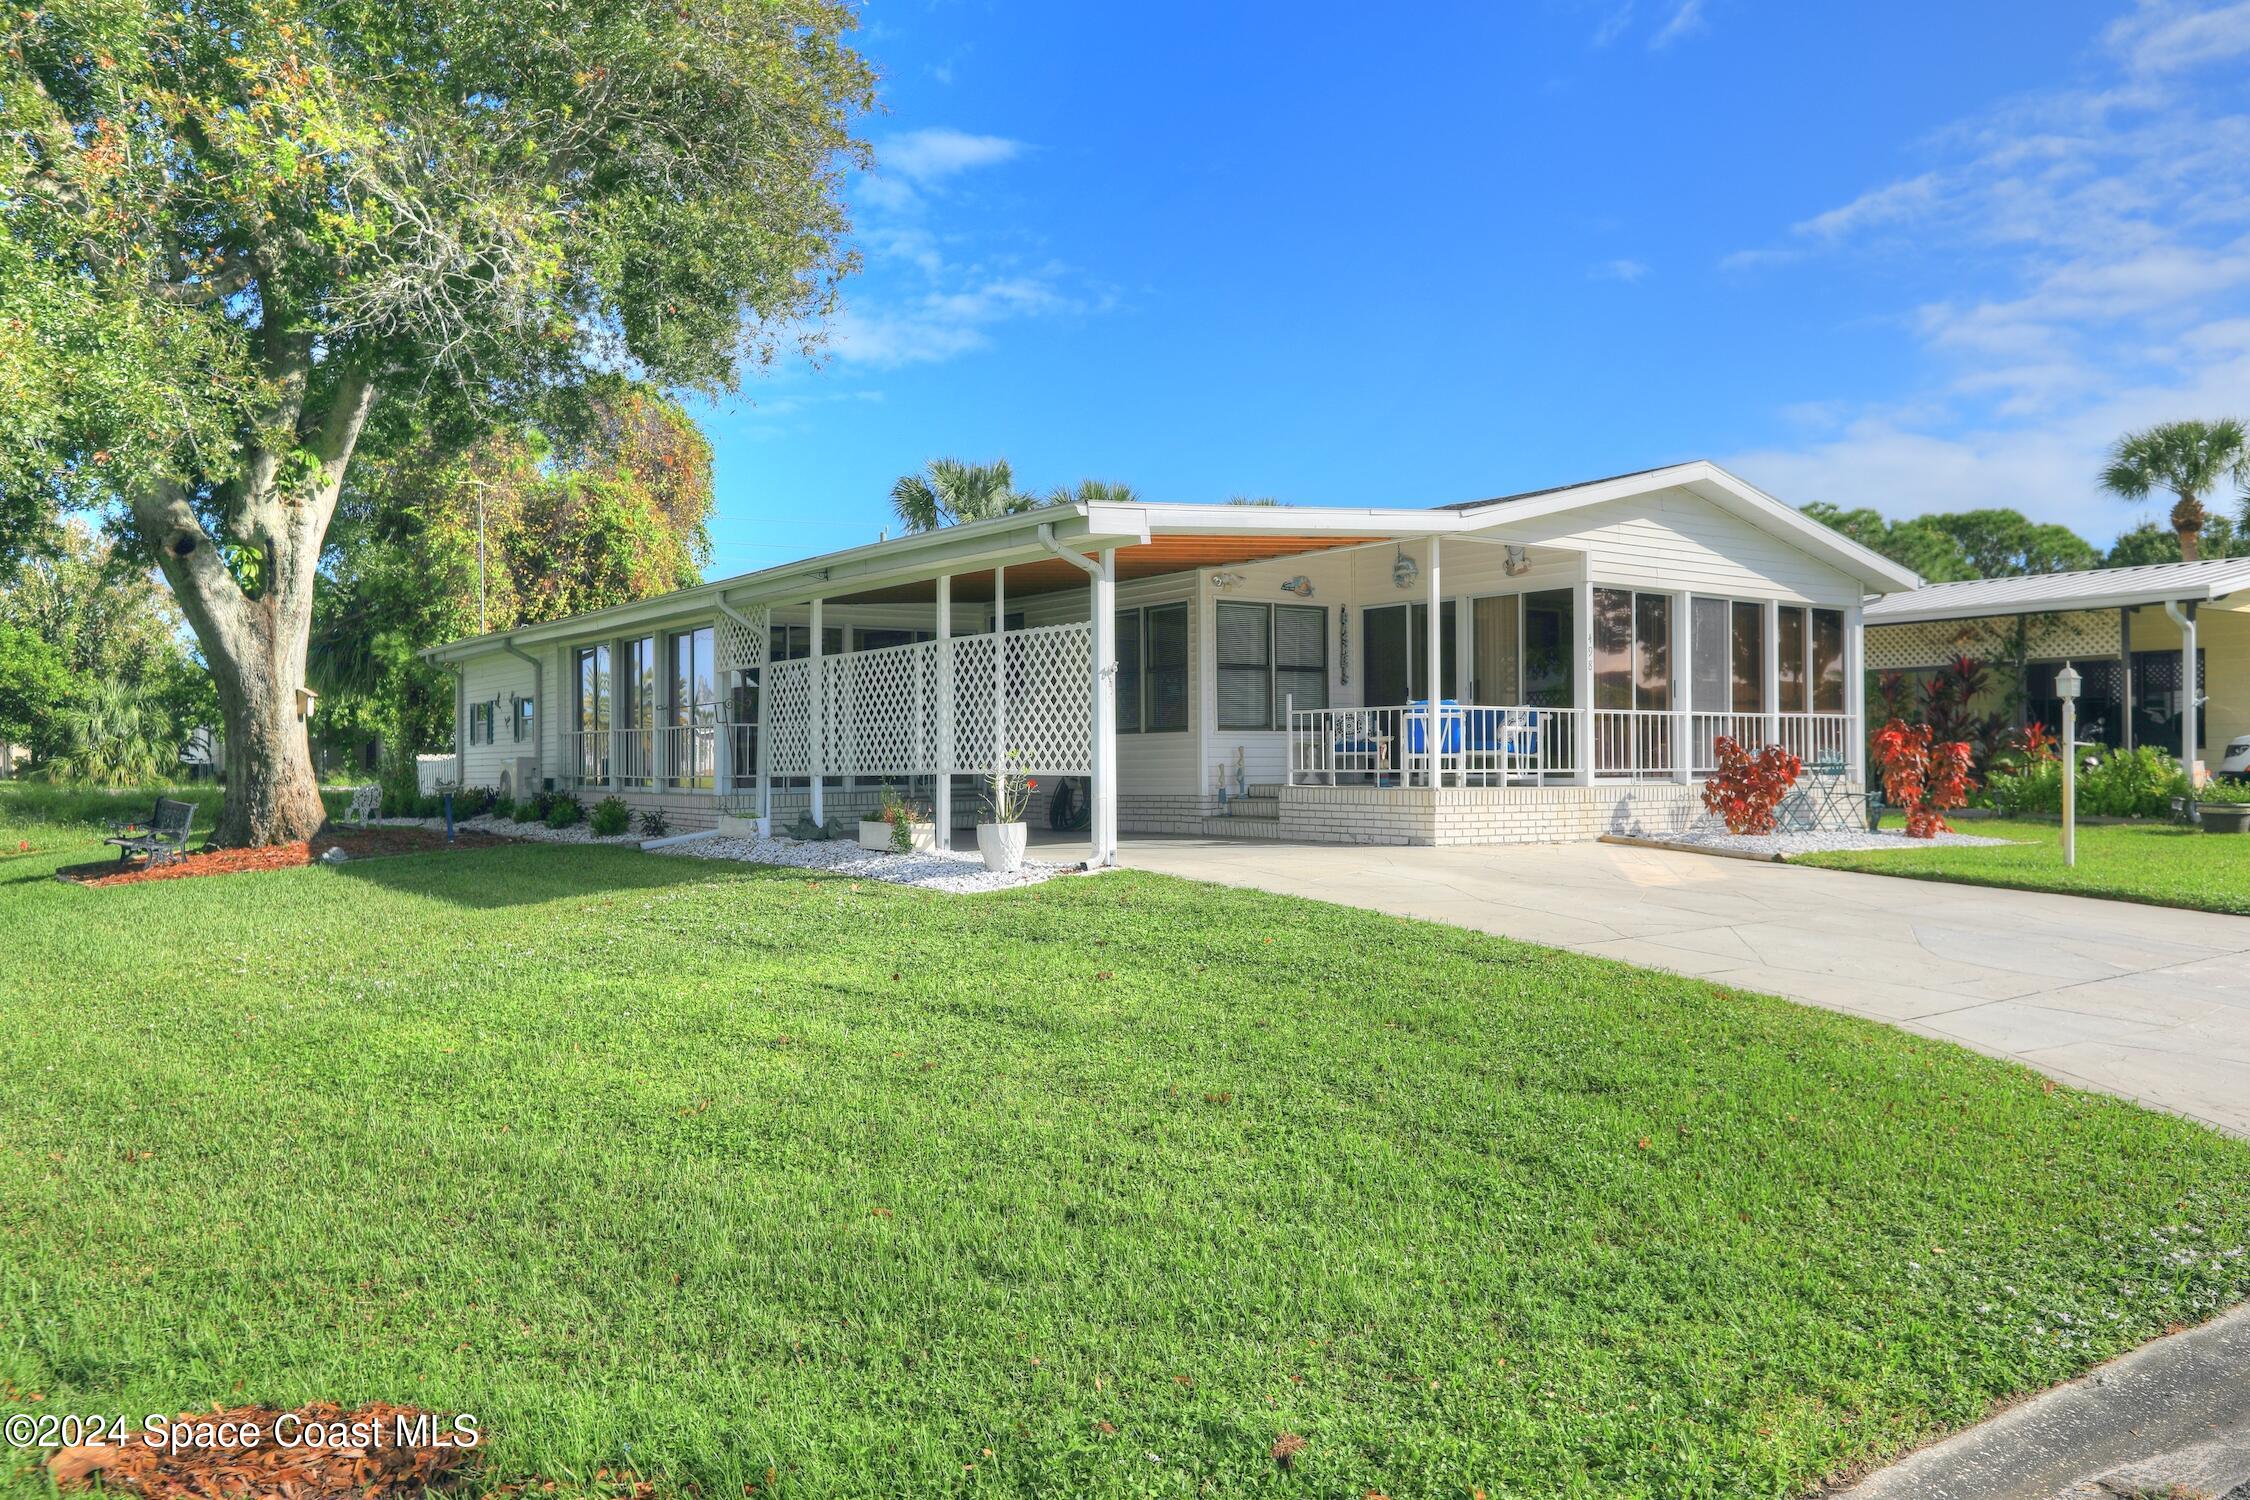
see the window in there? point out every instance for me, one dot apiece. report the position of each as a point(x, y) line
point(1496, 650)
point(1396, 640)
point(1152, 669)
point(883, 640)
point(1632, 650)
point(591, 761)
point(1547, 627)
point(480, 723)
point(1708, 689)
point(1828, 661)
point(1270, 656)
point(793, 641)
point(1128, 691)
point(637, 709)
point(1789, 658)
point(1748, 658)
point(525, 726)
point(695, 706)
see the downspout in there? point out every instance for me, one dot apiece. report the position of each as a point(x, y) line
point(2191, 741)
point(460, 726)
point(538, 706)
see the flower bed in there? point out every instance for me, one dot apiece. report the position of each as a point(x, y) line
point(371, 843)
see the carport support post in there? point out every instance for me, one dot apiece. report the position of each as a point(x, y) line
point(2125, 675)
point(1104, 810)
point(942, 759)
point(999, 677)
point(765, 725)
point(2191, 742)
point(1683, 686)
point(819, 713)
point(1434, 657)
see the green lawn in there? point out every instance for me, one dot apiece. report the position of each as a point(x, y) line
point(1091, 1189)
point(2161, 864)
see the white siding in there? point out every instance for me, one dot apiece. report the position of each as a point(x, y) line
point(1673, 539)
point(495, 677)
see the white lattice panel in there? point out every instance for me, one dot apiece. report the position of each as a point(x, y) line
point(742, 648)
point(882, 711)
point(2079, 635)
point(1051, 699)
point(972, 704)
point(787, 710)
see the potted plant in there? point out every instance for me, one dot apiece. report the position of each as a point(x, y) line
point(2224, 807)
point(899, 826)
point(1002, 834)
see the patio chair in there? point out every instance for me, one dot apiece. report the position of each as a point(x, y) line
point(1359, 746)
point(160, 839)
point(1502, 740)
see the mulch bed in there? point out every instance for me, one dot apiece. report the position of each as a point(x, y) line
point(368, 843)
point(373, 1454)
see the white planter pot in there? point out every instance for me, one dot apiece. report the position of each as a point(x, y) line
point(876, 835)
point(1002, 844)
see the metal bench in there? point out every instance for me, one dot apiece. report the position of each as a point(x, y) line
point(160, 839)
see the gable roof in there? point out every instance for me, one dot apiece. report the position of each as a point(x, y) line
point(1727, 491)
point(2040, 593)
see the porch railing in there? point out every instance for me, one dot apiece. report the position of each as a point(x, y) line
point(1496, 745)
point(666, 758)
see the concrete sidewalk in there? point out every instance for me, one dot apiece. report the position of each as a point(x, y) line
point(2143, 1001)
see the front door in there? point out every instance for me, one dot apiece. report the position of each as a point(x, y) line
point(1395, 638)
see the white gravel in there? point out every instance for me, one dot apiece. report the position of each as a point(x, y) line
point(1825, 841)
point(935, 872)
point(509, 828)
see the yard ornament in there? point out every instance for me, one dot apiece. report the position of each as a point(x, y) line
point(1404, 570)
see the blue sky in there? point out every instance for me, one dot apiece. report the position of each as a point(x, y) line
point(1916, 256)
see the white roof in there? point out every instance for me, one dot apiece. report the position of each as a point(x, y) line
point(2039, 593)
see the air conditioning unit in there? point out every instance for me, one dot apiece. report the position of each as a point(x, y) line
point(524, 778)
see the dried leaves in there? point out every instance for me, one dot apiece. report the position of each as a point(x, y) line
point(376, 1451)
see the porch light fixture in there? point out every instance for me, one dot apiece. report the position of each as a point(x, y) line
point(1404, 570)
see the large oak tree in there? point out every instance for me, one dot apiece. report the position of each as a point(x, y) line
point(235, 230)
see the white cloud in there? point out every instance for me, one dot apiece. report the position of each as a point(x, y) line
point(2095, 244)
point(1627, 271)
point(943, 323)
point(928, 156)
point(2164, 37)
point(1686, 19)
point(1613, 24)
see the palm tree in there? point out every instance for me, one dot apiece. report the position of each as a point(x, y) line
point(2186, 458)
point(1092, 492)
point(115, 736)
point(948, 492)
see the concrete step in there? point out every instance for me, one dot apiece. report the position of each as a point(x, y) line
point(1253, 807)
point(1268, 789)
point(1242, 828)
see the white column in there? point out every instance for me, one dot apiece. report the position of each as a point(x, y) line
point(1772, 669)
point(1855, 695)
point(2190, 715)
point(943, 756)
point(1103, 819)
point(1582, 679)
point(1434, 725)
point(1683, 686)
point(819, 701)
point(999, 670)
point(765, 722)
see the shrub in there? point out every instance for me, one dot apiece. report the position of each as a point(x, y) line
point(1922, 777)
point(534, 808)
point(2225, 793)
point(473, 801)
point(654, 825)
point(2136, 783)
point(1748, 785)
point(564, 811)
point(401, 784)
point(503, 808)
point(610, 818)
point(430, 806)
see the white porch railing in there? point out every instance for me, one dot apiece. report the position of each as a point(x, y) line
point(1481, 745)
point(668, 757)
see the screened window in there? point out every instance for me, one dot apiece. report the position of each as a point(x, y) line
point(1632, 650)
point(1828, 661)
point(1496, 650)
point(1748, 658)
point(1300, 658)
point(592, 760)
point(637, 709)
point(1164, 657)
point(522, 720)
point(1789, 654)
point(1707, 672)
point(1396, 638)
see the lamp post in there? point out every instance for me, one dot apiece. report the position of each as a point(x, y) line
point(2066, 688)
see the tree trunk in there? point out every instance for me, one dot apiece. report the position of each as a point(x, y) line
point(272, 795)
point(256, 639)
point(2187, 522)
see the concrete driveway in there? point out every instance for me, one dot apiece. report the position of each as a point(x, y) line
point(2150, 1003)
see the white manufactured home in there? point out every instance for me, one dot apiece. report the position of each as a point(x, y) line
point(1250, 671)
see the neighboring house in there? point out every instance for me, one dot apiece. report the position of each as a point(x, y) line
point(2130, 632)
point(202, 753)
point(1593, 642)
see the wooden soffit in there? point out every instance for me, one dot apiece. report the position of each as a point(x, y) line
point(1152, 559)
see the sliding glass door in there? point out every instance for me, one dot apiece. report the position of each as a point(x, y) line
point(1395, 638)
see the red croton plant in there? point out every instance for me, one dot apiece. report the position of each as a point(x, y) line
point(1924, 778)
point(1749, 785)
